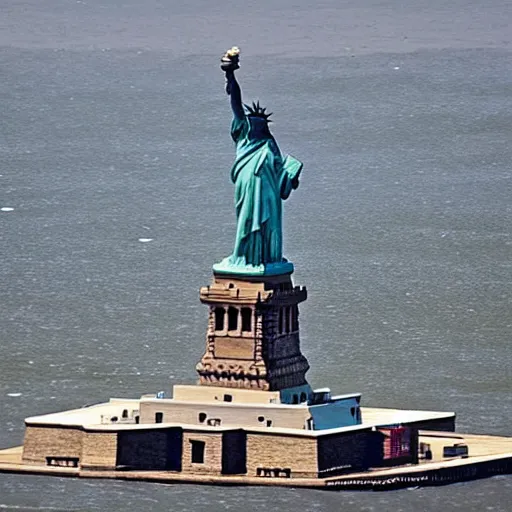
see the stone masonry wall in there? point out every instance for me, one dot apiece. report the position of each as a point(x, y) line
point(42, 442)
point(299, 454)
point(441, 424)
point(99, 450)
point(212, 454)
point(142, 449)
point(343, 452)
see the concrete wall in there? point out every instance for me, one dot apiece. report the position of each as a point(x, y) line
point(41, 442)
point(99, 450)
point(293, 395)
point(216, 394)
point(188, 413)
point(334, 414)
point(299, 454)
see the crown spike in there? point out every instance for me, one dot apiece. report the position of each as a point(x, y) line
point(256, 110)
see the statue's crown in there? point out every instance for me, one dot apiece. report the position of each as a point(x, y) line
point(257, 111)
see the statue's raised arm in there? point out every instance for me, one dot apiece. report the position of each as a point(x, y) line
point(229, 64)
point(263, 178)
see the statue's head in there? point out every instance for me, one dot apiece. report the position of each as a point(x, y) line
point(258, 112)
point(258, 120)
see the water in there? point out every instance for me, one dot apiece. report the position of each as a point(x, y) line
point(115, 130)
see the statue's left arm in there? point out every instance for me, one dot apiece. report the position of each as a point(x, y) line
point(290, 175)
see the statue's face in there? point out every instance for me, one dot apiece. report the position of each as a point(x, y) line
point(259, 127)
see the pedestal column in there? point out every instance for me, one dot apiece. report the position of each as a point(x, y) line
point(252, 339)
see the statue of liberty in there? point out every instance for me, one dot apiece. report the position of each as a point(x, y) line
point(263, 178)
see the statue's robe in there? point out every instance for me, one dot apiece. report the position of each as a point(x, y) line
point(262, 178)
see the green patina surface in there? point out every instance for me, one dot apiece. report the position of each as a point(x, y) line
point(263, 178)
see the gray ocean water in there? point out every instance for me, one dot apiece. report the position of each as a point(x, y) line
point(115, 128)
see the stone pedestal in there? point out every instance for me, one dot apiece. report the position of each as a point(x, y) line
point(253, 340)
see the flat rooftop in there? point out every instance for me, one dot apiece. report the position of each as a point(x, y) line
point(98, 417)
point(384, 416)
point(88, 415)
